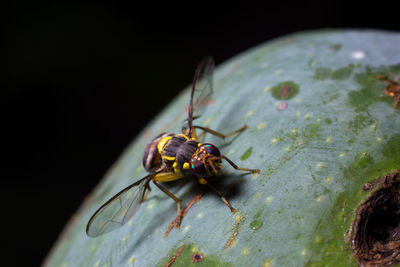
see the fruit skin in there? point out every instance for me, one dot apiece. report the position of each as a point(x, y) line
point(337, 132)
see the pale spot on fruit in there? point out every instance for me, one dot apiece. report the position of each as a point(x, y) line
point(245, 251)
point(319, 165)
point(151, 205)
point(357, 54)
point(250, 113)
point(276, 139)
point(267, 263)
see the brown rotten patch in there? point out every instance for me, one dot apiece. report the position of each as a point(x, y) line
point(375, 235)
point(392, 90)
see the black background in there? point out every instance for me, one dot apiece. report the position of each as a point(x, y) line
point(82, 79)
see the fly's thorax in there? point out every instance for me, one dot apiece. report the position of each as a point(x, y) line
point(170, 145)
point(184, 155)
point(177, 150)
point(152, 157)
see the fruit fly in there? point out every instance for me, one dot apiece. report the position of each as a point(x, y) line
point(169, 157)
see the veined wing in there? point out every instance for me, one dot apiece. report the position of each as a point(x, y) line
point(118, 210)
point(202, 89)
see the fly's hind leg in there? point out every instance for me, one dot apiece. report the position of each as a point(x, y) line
point(221, 135)
point(177, 200)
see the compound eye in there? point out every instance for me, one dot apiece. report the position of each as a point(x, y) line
point(210, 149)
point(197, 167)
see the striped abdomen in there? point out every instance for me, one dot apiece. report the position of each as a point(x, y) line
point(151, 157)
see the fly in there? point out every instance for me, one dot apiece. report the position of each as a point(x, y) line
point(169, 157)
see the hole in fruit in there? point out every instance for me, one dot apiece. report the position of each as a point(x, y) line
point(375, 238)
point(197, 257)
point(282, 106)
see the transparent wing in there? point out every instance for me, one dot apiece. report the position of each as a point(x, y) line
point(118, 210)
point(202, 89)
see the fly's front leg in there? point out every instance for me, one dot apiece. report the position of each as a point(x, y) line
point(204, 181)
point(221, 135)
point(239, 168)
point(177, 200)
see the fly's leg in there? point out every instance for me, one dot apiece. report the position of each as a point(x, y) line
point(239, 168)
point(148, 190)
point(221, 135)
point(177, 200)
point(204, 181)
point(185, 131)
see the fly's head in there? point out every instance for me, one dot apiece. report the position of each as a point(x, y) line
point(206, 161)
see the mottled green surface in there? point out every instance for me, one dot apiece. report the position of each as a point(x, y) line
point(338, 132)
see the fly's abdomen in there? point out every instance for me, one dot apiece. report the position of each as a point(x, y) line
point(152, 158)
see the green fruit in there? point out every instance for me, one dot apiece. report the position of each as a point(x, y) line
point(320, 127)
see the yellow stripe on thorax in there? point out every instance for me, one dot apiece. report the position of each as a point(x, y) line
point(162, 143)
point(187, 138)
point(168, 158)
